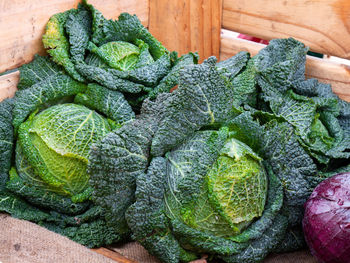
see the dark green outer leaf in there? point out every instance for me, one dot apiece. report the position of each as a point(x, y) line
point(109, 102)
point(98, 22)
point(297, 110)
point(78, 29)
point(281, 63)
point(54, 87)
point(145, 218)
point(129, 28)
point(18, 208)
point(294, 213)
point(106, 78)
point(114, 165)
point(57, 44)
point(6, 140)
point(313, 88)
point(40, 197)
point(38, 70)
point(245, 86)
point(260, 248)
point(293, 241)
point(172, 78)
point(87, 229)
point(96, 233)
point(232, 66)
point(164, 246)
point(149, 195)
point(280, 141)
point(202, 99)
point(196, 240)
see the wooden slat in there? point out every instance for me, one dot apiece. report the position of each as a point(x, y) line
point(8, 85)
point(113, 255)
point(337, 75)
point(187, 25)
point(22, 24)
point(323, 25)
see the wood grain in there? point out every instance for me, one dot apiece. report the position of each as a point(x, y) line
point(134, 251)
point(187, 25)
point(8, 85)
point(337, 75)
point(22, 24)
point(113, 255)
point(323, 25)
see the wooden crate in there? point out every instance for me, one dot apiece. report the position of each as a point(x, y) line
point(193, 25)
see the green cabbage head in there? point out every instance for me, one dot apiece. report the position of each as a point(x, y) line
point(118, 54)
point(53, 147)
point(218, 178)
point(233, 193)
point(93, 81)
point(46, 134)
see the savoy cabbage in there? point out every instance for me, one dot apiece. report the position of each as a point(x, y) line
point(121, 55)
point(97, 74)
point(223, 165)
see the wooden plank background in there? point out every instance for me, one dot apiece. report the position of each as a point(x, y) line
point(323, 25)
point(22, 24)
point(187, 25)
point(8, 85)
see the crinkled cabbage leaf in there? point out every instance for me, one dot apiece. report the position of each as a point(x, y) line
point(231, 156)
point(121, 55)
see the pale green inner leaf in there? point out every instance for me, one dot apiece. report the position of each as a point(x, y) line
point(62, 136)
point(119, 55)
point(238, 188)
point(237, 184)
point(70, 129)
point(201, 215)
point(66, 169)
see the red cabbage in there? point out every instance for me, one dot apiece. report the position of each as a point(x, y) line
point(326, 221)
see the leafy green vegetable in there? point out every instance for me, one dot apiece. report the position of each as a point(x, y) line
point(56, 144)
point(86, 92)
point(235, 152)
point(120, 55)
point(49, 180)
point(220, 166)
point(318, 116)
point(6, 140)
point(57, 43)
point(206, 95)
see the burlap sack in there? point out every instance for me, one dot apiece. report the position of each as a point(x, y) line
point(25, 242)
